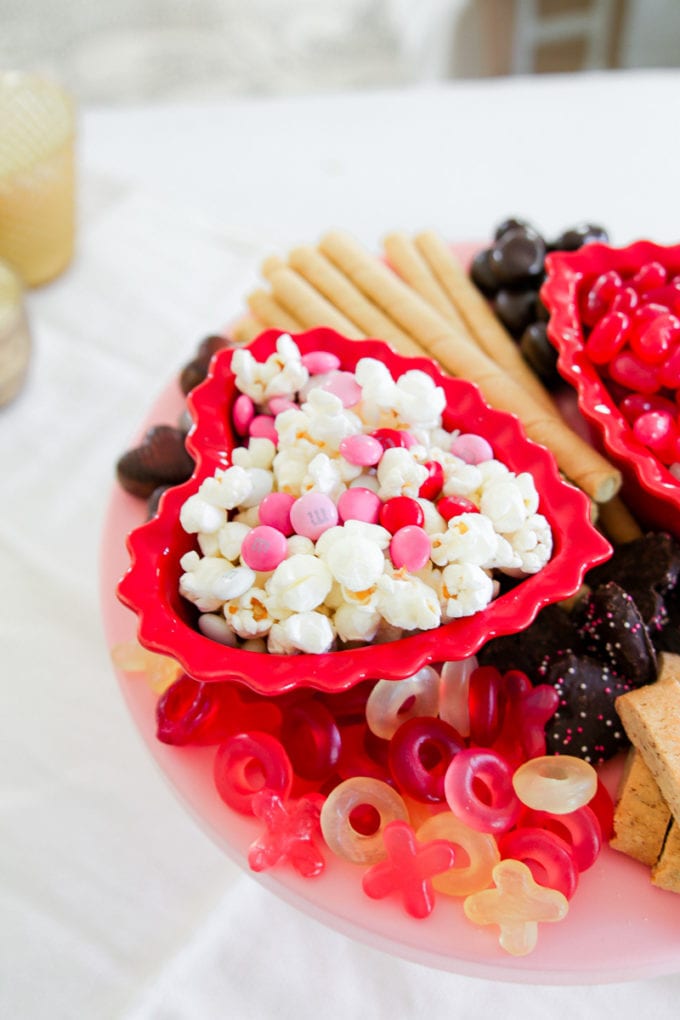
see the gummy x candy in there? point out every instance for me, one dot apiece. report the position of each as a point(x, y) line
point(517, 905)
point(289, 835)
point(409, 869)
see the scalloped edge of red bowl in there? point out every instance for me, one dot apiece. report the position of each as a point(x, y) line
point(150, 586)
point(648, 488)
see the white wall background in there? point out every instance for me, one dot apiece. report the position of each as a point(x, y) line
point(129, 50)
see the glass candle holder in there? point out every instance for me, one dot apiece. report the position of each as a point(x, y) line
point(37, 176)
point(15, 340)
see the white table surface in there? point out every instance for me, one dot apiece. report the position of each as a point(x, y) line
point(112, 902)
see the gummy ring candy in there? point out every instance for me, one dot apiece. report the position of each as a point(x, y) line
point(312, 740)
point(579, 829)
point(479, 847)
point(555, 783)
point(420, 753)
point(336, 818)
point(392, 702)
point(548, 857)
point(478, 789)
point(248, 763)
point(453, 693)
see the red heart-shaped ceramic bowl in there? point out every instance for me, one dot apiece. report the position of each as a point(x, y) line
point(151, 585)
point(649, 488)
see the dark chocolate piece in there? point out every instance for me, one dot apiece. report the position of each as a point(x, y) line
point(614, 632)
point(585, 724)
point(518, 256)
point(160, 459)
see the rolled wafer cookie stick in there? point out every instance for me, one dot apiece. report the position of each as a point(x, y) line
point(348, 299)
point(459, 356)
point(618, 523)
point(246, 329)
point(406, 260)
point(307, 305)
point(477, 315)
point(267, 309)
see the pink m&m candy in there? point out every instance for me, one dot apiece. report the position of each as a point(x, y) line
point(262, 427)
point(312, 514)
point(359, 504)
point(275, 511)
point(344, 386)
point(278, 404)
point(410, 548)
point(264, 548)
point(319, 362)
point(471, 448)
point(362, 450)
point(243, 413)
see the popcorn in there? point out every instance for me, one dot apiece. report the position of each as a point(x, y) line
point(300, 583)
point(282, 374)
point(259, 452)
point(503, 503)
point(532, 544)
point(419, 401)
point(311, 632)
point(408, 603)
point(262, 483)
point(465, 589)
point(228, 488)
point(471, 538)
point(197, 515)
point(249, 615)
point(399, 474)
point(230, 538)
point(356, 622)
point(212, 580)
point(355, 562)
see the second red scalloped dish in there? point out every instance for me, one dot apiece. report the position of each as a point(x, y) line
point(615, 321)
point(151, 585)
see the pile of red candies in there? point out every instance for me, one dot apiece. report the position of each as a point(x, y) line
point(382, 776)
point(634, 339)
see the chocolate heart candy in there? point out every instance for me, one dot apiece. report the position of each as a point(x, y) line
point(160, 459)
point(196, 370)
point(516, 309)
point(585, 724)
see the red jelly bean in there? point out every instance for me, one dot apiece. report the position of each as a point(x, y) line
point(547, 856)
point(432, 485)
point(247, 763)
point(579, 829)
point(401, 511)
point(409, 868)
point(419, 754)
point(312, 740)
point(657, 339)
point(608, 337)
point(625, 301)
point(635, 404)
point(628, 370)
point(478, 789)
point(643, 315)
point(600, 295)
point(669, 373)
point(655, 429)
point(453, 506)
point(648, 277)
point(485, 706)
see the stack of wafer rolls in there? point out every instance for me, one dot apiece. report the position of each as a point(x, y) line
point(647, 815)
point(419, 299)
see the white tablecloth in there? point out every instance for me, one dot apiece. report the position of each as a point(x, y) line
point(112, 902)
